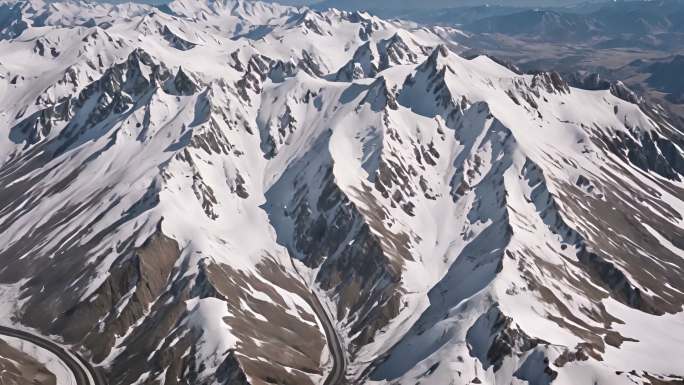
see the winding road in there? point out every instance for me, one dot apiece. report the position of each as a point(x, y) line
point(336, 375)
point(83, 372)
point(339, 369)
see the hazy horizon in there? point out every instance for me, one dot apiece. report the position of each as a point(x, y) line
point(409, 4)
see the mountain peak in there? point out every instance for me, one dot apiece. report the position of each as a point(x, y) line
point(240, 192)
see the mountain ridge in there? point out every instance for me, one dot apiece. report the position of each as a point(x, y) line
point(174, 218)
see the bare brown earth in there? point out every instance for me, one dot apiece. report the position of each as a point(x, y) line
point(280, 341)
point(17, 368)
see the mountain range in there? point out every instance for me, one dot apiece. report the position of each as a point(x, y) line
point(635, 18)
point(237, 192)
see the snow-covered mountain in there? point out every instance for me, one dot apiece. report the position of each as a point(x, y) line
point(182, 188)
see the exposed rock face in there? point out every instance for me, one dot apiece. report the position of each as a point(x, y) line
point(183, 84)
point(593, 81)
point(504, 340)
point(180, 189)
point(134, 283)
point(552, 82)
point(12, 23)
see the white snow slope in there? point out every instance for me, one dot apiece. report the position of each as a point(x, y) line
point(177, 183)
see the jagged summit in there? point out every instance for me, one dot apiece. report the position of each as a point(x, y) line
point(237, 192)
